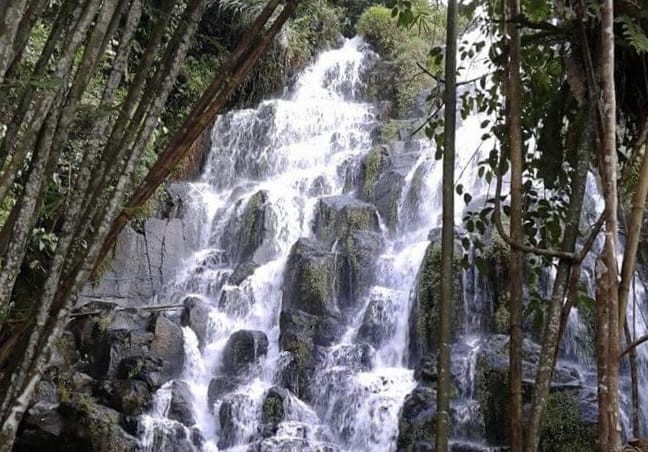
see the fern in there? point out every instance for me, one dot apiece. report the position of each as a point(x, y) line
point(248, 9)
point(633, 33)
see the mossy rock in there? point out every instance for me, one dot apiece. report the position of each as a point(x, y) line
point(97, 425)
point(371, 167)
point(310, 283)
point(339, 215)
point(563, 429)
point(249, 229)
point(272, 411)
point(131, 397)
point(358, 253)
point(301, 335)
point(424, 317)
point(416, 425)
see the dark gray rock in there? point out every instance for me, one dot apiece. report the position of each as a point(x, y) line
point(181, 402)
point(378, 323)
point(242, 272)
point(244, 349)
point(167, 345)
point(358, 253)
point(228, 418)
point(248, 236)
point(417, 420)
point(301, 334)
point(219, 387)
point(130, 397)
point(196, 316)
point(142, 263)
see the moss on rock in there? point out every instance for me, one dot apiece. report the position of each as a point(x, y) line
point(562, 429)
point(370, 169)
point(424, 318)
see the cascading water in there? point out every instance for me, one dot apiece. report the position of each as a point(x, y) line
point(267, 172)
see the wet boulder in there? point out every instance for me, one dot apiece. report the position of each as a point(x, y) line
point(378, 322)
point(244, 349)
point(231, 417)
point(301, 334)
point(358, 253)
point(383, 177)
point(251, 229)
point(130, 397)
point(273, 411)
point(218, 388)
point(242, 272)
point(310, 280)
point(371, 167)
point(424, 316)
point(339, 215)
point(195, 315)
point(167, 345)
point(180, 406)
point(417, 421)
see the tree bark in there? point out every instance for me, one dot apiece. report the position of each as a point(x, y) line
point(602, 351)
point(447, 231)
point(11, 19)
point(633, 236)
point(514, 94)
point(609, 168)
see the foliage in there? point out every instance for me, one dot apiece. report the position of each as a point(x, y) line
point(402, 48)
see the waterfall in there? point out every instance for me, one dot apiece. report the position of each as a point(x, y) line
point(267, 173)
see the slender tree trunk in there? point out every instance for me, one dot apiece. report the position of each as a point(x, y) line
point(553, 312)
point(447, 232)
point(11, 20)
point(602, 351)
point(634, 383)
point(633, 236)
point(105, 24)
point(514, 95)
point(608, 168)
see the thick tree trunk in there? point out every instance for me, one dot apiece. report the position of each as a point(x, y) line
point(447, 232)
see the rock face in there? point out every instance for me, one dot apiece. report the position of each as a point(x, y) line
point(142, 264)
